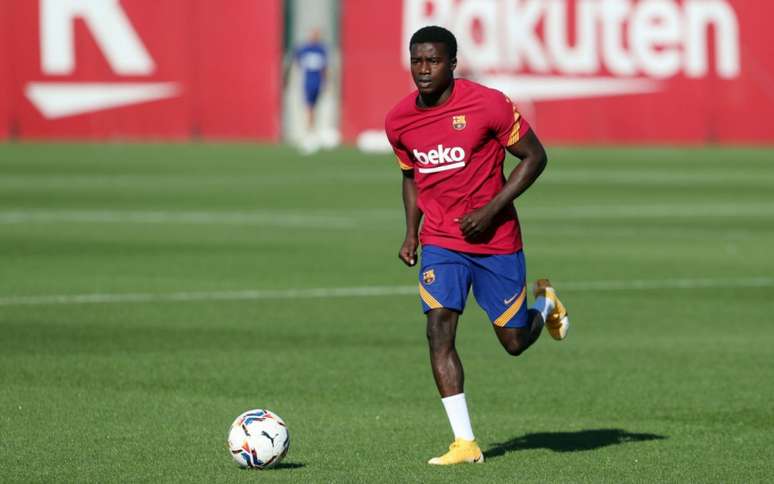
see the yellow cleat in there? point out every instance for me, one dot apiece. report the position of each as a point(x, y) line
point(558, 321)
point(461, 451)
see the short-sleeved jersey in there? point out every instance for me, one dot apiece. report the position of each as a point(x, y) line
point(313, 60)
point(456, 151)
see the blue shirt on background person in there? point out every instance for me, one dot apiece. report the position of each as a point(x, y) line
point(312, 58)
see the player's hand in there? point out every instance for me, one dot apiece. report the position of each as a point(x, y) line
point(408, 251)
point(476, 223)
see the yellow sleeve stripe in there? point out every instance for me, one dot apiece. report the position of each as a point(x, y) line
point(403, 166)
point(515, 134)
point(516, 131)
point(512, 310)
point(428, 298)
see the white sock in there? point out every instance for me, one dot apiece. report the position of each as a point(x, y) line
point(544, 305)
point(457, 411)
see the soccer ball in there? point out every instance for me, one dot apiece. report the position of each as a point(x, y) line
point(258, 439)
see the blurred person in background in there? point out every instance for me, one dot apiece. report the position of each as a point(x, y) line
point(312, 59)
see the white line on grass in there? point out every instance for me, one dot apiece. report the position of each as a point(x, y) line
point(652, 177)
point(673, 210)
point(367, 291)
point(333, 218)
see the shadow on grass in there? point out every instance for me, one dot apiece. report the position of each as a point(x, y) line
point(289, 465)
point(280, 466)
point(568, 441)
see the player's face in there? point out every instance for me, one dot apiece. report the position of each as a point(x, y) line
point(431, 67)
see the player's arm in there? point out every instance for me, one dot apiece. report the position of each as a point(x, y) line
point(533, 158)
point(408, 251)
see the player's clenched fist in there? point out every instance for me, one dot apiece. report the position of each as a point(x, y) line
point(408, 251)
point(475, 223)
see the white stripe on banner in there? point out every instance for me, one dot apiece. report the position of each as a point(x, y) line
point(368, 291)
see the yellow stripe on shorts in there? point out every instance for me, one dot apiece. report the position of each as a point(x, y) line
point(509, 313)
point(428, 298)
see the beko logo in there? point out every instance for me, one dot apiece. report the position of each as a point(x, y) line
point(444, 159)
point(557, 49)
point(119, 42)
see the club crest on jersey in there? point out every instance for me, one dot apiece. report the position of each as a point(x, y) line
point(428, 277)
point(458, 122)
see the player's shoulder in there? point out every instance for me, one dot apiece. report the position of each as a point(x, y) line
point(482, 93)
point(401, 111)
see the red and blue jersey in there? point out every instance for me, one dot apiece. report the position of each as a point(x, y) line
point(456, 151)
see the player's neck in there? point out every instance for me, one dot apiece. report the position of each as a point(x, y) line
point(434, 100)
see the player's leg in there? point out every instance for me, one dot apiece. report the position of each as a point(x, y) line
point(499, 286)
point(444, 281)
point(310, 117)
point(311, 143)
point(548, 310)
point(450, 379)
point(551, 309)
point(516, 340)
point(444, 360)
point(311, 94)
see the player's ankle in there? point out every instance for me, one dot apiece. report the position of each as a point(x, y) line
point(544, 306)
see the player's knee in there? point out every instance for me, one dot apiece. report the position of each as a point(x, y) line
point(440, 335)
point(437, 335)
point(515, 348)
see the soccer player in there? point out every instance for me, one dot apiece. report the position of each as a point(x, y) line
point(450, 138)
point(312, 58)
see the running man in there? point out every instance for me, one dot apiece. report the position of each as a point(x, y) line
point(450, 138)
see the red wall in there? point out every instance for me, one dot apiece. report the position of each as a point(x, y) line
point(214, 71)
point(372, 77)
point(5, 71)
point(677, 104)
point(239, 51)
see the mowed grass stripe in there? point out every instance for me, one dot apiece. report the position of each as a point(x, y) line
point(347, 219)
point(666, 377)
point(280, 219)
point(369, 291)
point(625, 176)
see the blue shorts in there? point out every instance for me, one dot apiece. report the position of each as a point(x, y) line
point(312, 91)
point(499, 283)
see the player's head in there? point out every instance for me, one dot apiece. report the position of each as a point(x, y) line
point(433, 34)
point(433, 54)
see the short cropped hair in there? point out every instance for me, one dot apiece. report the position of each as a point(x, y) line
point(433, 34)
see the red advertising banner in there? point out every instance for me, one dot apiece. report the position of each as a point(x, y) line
point(582, 71)
point(102, 69)
point(238, 46)
point(5, 72)
point(145, 69)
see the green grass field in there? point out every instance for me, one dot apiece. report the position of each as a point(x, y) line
point(151, 293)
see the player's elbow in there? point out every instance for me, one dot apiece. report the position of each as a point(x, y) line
point(542, 159)
point(540, 162)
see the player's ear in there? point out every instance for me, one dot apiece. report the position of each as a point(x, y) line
point(453, 63)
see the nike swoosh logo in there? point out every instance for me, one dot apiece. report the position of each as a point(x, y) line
point(61, 99)
point(508, 301)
